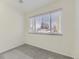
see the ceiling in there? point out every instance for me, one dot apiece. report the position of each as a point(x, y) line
point(28, 5)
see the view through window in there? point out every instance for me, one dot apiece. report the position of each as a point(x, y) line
point(47, 22)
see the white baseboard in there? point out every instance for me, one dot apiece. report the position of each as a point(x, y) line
point(12, 47)
point(49, 50)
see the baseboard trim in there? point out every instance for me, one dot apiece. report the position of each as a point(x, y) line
point(12, 48)
point(49, 50)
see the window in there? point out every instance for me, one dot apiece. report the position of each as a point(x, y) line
point(49, 23)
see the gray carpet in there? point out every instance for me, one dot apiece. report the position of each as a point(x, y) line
point(30, 52)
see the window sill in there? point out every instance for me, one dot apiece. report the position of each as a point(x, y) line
point(55, 33)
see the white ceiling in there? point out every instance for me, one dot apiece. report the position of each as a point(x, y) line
point(28, 5)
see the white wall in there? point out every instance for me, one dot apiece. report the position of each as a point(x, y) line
point(61, 44)
point(77, 31)
point(11, 28)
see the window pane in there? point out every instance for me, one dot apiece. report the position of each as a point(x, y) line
point(56, 21)
point(46, 23)
point(43, 23)
point(31, 24)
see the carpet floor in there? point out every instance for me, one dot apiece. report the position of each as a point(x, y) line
point(29, 52)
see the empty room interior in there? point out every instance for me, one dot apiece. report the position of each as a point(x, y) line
point(39, 29)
